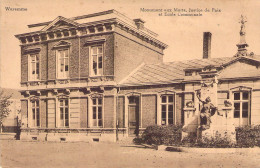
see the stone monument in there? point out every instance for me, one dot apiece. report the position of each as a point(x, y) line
point(213, 122)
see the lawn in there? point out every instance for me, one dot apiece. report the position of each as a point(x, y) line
point(111, 155)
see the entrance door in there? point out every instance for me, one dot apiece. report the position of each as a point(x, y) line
point(133, 115)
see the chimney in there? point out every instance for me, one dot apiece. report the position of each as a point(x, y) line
point(139, 23)
point(206, 45)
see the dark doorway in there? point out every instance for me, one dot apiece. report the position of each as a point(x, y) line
point(133, 115)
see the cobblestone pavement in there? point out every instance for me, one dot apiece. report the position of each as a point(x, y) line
point(112, 155)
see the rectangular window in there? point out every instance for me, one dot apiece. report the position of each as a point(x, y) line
point(241, 104)
point(35, 113)
point(97, 60)
point(97, 105)
point(167, 109)
point(236, 110)
point(63, 63)
point(34, 67)
point(188, 73)
point(64, 112)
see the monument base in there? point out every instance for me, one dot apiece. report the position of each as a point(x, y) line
point(218, 132)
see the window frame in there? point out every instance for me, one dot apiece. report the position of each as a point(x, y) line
point(241, 101)
point(30, 76)
point(58, 73)
point(97, 105)
point(99, 73)
point(167, 103)
point(34, 117)
point(64, 113)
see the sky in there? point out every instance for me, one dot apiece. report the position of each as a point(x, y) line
point(183, 34)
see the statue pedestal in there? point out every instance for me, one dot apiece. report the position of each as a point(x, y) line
point(221, 127)
point(190, 122)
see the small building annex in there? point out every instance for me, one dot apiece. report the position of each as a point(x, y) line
point(102, 77)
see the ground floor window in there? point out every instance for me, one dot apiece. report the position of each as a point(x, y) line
point(64, 112)
point(35, 113)
point(97, 109)
point(167, 109)
point(241, 107)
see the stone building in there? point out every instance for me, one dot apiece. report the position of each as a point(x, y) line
point(101, 77)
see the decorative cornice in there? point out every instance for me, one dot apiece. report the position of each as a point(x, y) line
point(32, 50)
point(107, 25)
point(101, 40)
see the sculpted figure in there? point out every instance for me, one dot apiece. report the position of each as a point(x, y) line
point(207, 110)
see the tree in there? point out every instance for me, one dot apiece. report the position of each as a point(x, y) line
point(4, 110)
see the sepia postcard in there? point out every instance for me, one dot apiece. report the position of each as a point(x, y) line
point(136, 84)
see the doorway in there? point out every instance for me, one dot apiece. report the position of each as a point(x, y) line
point(133, 115)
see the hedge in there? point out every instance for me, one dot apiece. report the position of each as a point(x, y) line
point(248, 136)
point(158, 135)
point(172, 135)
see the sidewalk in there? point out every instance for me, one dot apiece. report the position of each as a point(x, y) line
point(7, 136)
point(210, 150)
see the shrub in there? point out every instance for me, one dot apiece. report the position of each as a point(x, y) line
point(189, 140)
point(172, 135)
point(138, 140)
point(215, 142)
point(248, 136)
point(158, 135)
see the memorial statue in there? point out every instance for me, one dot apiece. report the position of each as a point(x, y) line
point(242, 28)
point(207, 110)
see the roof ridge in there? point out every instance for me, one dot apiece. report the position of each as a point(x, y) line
point(181, 61)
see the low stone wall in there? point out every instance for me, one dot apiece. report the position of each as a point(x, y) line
point(73, 135)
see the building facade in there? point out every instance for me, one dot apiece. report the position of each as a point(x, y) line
point(101, 77)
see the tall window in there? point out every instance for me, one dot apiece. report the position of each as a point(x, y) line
point(97, 60)
point(35, 113)
point(63, 63)
point(97, 112)
point(64, 112)
point(241, 104)
point(34, 67)
point(167, 109)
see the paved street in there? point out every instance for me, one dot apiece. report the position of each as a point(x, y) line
point(111, 155)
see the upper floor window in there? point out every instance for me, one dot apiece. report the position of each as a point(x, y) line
point(188, 73)
point(35, 113)
point(96, 60)
point(167, 109)
point(63, 63)
point(34, 67)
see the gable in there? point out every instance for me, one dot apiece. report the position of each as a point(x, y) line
point(61, 23)
point(240, 68)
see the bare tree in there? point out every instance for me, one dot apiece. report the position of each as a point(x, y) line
point(4, 107)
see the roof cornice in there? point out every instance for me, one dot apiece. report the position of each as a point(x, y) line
point(115, 21)
point(75, 18)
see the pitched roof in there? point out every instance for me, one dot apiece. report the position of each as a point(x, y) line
point(58, 19)
point(174, 72)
